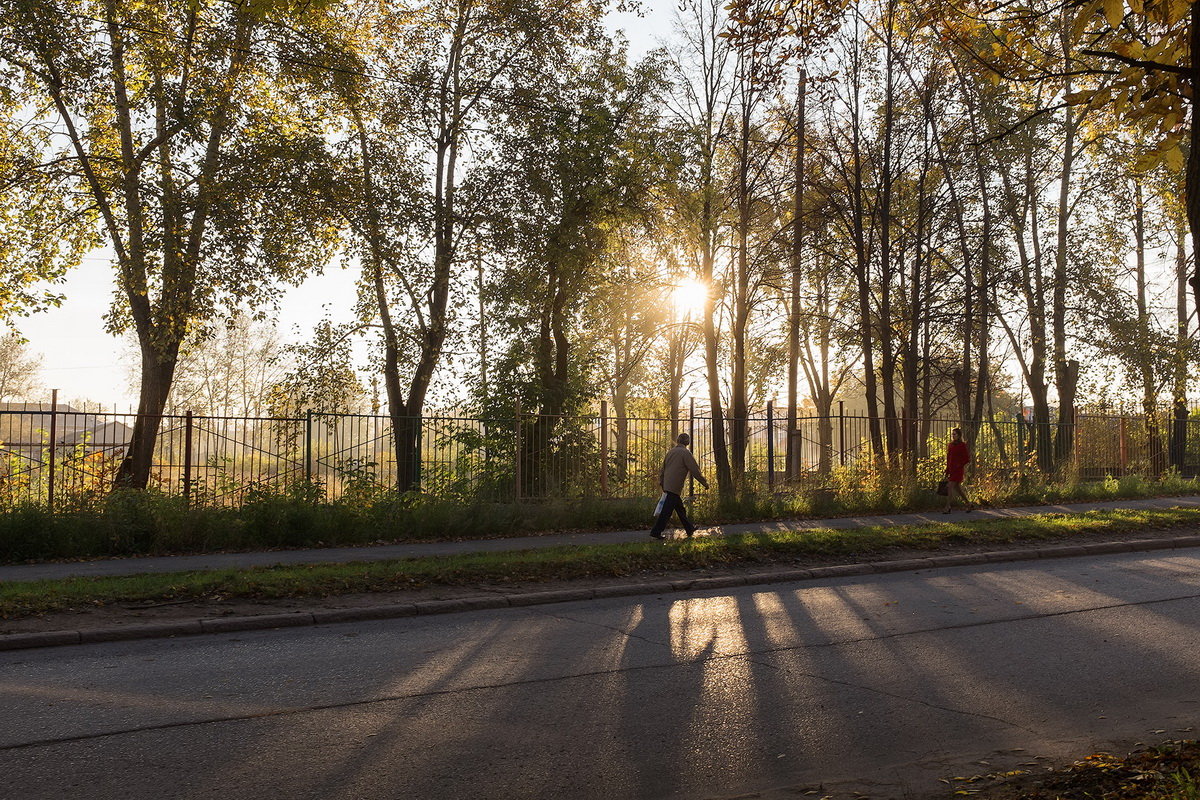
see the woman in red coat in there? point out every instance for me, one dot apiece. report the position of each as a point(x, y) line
point(958, 455)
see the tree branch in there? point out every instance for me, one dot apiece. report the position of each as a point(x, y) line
point(1152, 66)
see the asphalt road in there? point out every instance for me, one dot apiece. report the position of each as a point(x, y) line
point(879, 684)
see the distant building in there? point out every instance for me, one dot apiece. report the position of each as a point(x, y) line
point(25, 430)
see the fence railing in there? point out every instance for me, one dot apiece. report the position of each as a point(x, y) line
point(60, 456)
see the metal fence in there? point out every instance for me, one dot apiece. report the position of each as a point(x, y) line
point(59, 456)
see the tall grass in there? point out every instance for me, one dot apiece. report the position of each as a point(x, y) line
point(148, 523)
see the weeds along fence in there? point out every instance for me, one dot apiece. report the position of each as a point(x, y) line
point(63, 457)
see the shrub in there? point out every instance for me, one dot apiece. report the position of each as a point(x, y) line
point(297, 515)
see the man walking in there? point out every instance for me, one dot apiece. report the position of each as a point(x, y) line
point(677, 465)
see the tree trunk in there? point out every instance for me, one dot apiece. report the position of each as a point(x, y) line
point(1066, 371)
point(1179, 423)
point(157, 374)
point(738, 404)
point(1043, 439)
point(983, 285)
point(162, 330)
point(1192, 176)
point(621, 456)
point(887, 353)
point(793, 329)
point(675, 384)
point(725, 489)
point(910, 361)
point(862, 270)
point(1145, 367)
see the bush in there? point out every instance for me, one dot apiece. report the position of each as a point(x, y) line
point(149, 523)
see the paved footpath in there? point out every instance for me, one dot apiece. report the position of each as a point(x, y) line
point(212, 561)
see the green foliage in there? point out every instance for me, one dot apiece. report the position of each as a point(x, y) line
point(322, 379)
point(296, 514)
point(579, 172)
point(45, 228)
point(128, 523)
point(176, 141)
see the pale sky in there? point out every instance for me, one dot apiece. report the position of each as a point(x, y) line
point(83, 362)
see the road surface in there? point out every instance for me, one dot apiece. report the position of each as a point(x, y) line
point(877, 684)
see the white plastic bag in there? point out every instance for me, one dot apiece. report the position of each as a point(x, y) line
point(658, 508)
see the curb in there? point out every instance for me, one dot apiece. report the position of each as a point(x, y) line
point(326, 616)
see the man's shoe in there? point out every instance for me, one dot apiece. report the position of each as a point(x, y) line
point(656, 535)
point(689, 533)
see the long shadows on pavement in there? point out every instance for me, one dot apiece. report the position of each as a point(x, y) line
point(888, 681)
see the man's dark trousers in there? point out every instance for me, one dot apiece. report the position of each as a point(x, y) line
point(673, 503)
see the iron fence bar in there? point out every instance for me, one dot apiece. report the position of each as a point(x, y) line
point(691, 442)
point(53, 448)
point(842, 433)
point(308, 445)
point(518, 456)
point(604, 448)
point(770, 445)
point(187, 460)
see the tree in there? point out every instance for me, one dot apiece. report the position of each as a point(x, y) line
point(756, 74)
point(45, 226)
point(702, 105)
point(1042, 161)
point(634, 312)
point(420, 171)
point(796, 31)
point(581, 171)
point(1153, 47)
point(228, 370)
point(319, 377)
point(1139, 63)
point(195, 149)
point(18, 368)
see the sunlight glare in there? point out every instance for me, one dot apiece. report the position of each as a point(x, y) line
point(688, 296)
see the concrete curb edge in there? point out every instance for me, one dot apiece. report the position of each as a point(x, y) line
point(232, 624)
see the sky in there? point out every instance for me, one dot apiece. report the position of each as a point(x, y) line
point(84, 362)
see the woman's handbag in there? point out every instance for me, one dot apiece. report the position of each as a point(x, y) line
point(942, 488)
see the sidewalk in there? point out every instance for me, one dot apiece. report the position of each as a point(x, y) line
point(213, 561)
point(131, 623)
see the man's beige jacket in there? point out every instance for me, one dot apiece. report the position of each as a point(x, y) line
point(676, 466)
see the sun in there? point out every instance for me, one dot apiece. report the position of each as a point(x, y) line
point(688, 296)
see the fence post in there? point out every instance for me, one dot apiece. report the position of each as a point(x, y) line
point(187, 459)
point(517, 453)
point(418, 465)
point(1123, 446)
point(604, 448)
point(692, 437)
point(842, 432)
point(308, 445)
point(771, 445)
point(1075, 441)
point(53, 449)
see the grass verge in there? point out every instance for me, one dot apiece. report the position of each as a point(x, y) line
point(147, 523)
point(18, 599)
point(1170, 771)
